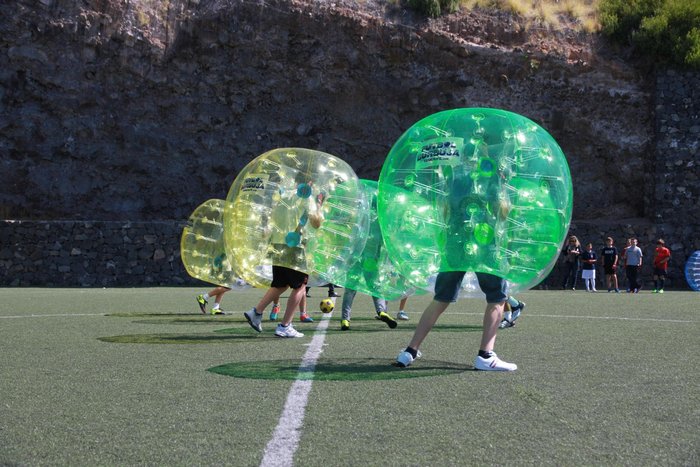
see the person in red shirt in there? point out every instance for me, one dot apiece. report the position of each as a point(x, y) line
point(661, 257)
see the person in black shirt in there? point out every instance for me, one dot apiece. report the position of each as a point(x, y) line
point(610, 261)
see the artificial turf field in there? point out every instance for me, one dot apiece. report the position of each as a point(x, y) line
point(140, 377)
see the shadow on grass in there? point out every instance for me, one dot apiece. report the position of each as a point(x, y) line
point(338, 370)
point(174, 338)
point(372, 325)
point(363, 324)
point(128, 314)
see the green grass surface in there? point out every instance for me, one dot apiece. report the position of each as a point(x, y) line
point(140, 377)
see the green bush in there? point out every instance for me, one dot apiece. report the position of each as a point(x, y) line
point(434, 8)
point(666, 31)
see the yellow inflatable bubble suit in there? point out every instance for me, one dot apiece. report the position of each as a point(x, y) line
point(294, 207)
point(202, 246)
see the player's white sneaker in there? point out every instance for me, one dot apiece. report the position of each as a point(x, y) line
point(254, 319)
point(506, 324)
point(493, 363)
point(287, 331)
point(404, 359)
point(517, 311)
point(402, 315)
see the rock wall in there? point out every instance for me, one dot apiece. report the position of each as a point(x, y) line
point(132, 113)
point(135, 254)
point(122, 111)
point(677, 174)
point(91, 254)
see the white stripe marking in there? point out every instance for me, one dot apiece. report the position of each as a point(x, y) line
point(534, 315)
point(50, 316)
point(285, 439)
point(620, 318)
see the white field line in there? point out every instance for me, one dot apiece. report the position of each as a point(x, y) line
point(620, 318)
point(63, 315)
point(285, 439)
point(533, 315)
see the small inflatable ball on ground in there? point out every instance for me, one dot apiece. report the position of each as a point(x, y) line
point(327, 305)
point(288, 207)
point(491, 189)
point(202, 247)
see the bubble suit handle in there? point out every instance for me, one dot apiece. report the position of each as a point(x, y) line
point(477, 189)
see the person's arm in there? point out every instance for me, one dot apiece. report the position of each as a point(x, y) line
point(316, 217)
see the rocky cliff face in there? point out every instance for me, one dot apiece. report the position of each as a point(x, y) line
point(142, 109)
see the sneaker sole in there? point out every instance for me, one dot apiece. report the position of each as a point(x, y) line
point(504, 370)
point(389, 321)
point(490, 368)
point(202, 307)
point(287, 337)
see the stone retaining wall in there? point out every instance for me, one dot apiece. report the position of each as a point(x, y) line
point(125, 254)
point(108, 253)
point(91, 254)
point(677, 171)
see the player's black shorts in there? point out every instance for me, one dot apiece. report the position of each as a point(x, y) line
point(609, 270)
point(660, 272)
point(285, 277)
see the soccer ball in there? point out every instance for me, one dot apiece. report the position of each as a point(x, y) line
point(327, 305)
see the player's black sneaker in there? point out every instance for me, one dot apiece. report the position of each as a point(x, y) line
point(201, 301)
point(383, 316)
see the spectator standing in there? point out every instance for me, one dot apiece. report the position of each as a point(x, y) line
point(662, 256)
point(571, 254)
point(588, 260)
point(633, 258)
point(610, 260)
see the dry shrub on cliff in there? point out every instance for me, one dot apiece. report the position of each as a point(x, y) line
point(557, 14)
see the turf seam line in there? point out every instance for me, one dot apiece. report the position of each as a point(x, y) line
point(285, 439)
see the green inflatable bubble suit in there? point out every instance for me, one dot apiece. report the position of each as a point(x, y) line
point(475, 189)
point(202, 247)
point(294, 207)
point(372, 272)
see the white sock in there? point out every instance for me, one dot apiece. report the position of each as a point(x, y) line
point(206, 296)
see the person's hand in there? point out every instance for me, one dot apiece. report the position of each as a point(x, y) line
point(315, 220)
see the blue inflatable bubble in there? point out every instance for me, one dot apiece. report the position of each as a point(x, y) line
point(692, 271)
